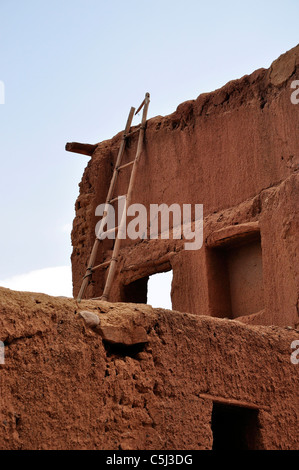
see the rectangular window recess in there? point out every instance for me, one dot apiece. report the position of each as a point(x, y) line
point(235, 272)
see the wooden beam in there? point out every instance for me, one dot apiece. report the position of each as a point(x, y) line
point(233, 402)
point(84, 149)
point(233, 234)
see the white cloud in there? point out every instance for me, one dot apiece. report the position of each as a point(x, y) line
point(52, 281)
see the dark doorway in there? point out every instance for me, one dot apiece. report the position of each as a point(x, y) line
point(234, 428)
point(136, 292)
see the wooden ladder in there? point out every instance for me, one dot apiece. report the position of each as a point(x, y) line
point(120, 230)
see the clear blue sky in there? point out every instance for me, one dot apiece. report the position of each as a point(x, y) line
point(73, 68)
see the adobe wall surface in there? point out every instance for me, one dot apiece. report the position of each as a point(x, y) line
point(236, 152)
point(63, 387)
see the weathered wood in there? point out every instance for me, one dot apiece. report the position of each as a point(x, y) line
point(141, 106)
point(233, 234)
point(133, 132)
point(232, 402)
point(94, 251)
point(122, 224)
point(84, 149)
point(102, 265)
point(117, 198)
point(104, 234)
point(126, 165)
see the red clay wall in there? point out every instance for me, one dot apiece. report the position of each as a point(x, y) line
point(62, 388)
point(236, 152)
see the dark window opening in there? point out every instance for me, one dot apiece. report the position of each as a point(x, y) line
point(235, 428)
point(154, 290)
point(136, 292)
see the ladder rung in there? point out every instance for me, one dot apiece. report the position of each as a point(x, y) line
point(114, 229)
point(99, 298)
point(133, 132)
point(102, 265)
point(125, 165)
point(116, 198)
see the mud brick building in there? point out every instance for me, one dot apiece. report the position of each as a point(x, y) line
point(235, 151)
point(214, 373)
